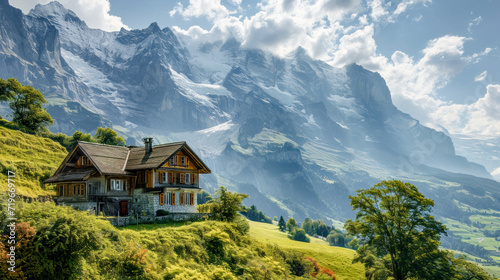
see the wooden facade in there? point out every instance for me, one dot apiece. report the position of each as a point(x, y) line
point(111, 175)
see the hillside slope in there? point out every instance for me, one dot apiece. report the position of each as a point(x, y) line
point(97, 250)
point(32, 158)
point(334, 258)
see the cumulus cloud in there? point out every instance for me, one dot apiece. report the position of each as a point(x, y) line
point(378, 10)
point(94, 12)
point(209, 8)
point(279, 26)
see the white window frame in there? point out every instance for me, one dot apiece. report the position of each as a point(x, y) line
point(116, 185)
point(163, 177)
point(168, 198)
point(172, 161)
point(183, 160)
point(187, 178)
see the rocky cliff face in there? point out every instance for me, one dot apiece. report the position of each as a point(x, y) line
point(295, 133)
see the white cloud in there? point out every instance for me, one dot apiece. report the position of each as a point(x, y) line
point(198, 8)
point(481, 77)
point(280, 26)
point(94, 12)
point(405, 4)
point(474, 22)
point(378, 10)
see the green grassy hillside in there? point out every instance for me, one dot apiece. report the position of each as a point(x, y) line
point(337, 259)
point(73, 245)
point(32, 159)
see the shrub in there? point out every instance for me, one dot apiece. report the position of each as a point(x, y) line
point(299, 234)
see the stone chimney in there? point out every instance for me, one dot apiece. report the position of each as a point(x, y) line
point(148, 145)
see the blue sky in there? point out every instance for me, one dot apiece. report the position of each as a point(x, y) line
point(439, 58)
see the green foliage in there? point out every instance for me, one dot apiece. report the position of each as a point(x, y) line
point(298, 234)
point(26, 104)
point(394, 218)
point(108, 136)
point(291, 224)
point(336, 239)
point(69, 244)
point(282, 224)
point(255, 215)
point(225, 206)
point(242, 224)
point(467, 270)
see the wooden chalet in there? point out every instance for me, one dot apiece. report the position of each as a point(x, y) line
point(117, 180)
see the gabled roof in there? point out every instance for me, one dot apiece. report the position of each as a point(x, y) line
point(108, 159)
point(160, 154)
point(118, 160)
point(138, 158)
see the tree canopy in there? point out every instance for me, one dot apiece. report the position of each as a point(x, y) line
point(26, 104)
point(282, 224)
point(291, 224)
point(226, 204)
point(108, 136)
point(394, 218)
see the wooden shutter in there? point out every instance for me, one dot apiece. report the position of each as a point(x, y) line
point(82, 189)
point(170, 177)
point(191, 199)
point(182, 178)
point(173, 198)
point(162, 199)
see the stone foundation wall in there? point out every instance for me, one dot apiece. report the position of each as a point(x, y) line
point(83, 206)
point(132, 220)
point(146, 204)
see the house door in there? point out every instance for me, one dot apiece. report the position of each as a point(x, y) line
point(124, 208)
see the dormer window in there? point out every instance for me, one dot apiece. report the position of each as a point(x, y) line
point(172, 161)
point(183, 161)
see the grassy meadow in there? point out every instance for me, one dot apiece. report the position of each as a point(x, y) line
point(32, 159)
point(334, 258)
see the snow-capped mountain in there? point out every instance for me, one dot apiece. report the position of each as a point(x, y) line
point(295, 133)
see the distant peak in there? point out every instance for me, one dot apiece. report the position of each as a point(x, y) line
point(55, 10)
point(300, 51)
point(153, 27)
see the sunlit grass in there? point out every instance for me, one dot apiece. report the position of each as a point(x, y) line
point(337, 259)
point(32, 159)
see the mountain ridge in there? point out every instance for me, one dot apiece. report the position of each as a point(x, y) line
point(296, 133)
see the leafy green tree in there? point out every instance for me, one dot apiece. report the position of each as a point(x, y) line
point(226, 205)
point(108, 136)
point(467, 270)
point(282, 224)
point(80, 136)
point(307, 226)
point(394, 218)
point(291, 224)
point(26, 104)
